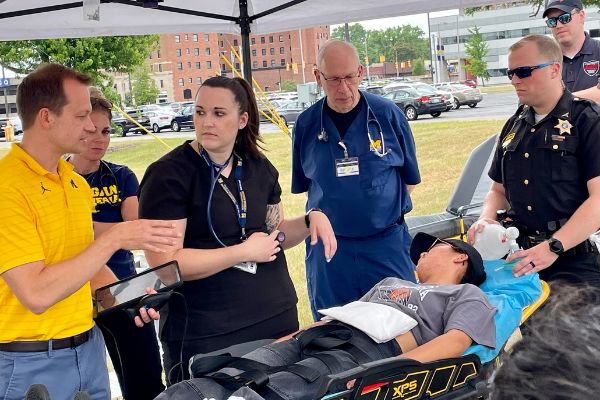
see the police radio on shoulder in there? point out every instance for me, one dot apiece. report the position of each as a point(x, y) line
point(306, 216)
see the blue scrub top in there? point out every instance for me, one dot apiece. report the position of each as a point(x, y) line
point(377, 198)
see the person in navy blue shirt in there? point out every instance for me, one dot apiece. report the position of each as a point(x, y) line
point(581, 53)
point(354, 153)
point(114, 188)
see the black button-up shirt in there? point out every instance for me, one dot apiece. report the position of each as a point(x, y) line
point(545, 166)
point(581, 71)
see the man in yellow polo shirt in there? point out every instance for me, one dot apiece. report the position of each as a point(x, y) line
point(49, 262)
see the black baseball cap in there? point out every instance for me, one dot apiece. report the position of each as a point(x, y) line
point(563, 5)
point(475, 272)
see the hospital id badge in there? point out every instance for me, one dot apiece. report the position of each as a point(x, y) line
point(247, 266)
point(346, 167)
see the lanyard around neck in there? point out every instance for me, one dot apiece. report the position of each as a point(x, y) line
point(216, 169)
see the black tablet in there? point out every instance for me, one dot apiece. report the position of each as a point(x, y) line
point(129, 291)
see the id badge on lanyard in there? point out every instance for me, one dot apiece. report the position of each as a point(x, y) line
point(347, 166)
point(241, 211)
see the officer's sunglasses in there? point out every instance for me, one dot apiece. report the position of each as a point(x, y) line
point(564, 19)
point(525, 72)
point(102, 102)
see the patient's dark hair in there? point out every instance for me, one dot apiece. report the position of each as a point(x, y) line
point(558, 356)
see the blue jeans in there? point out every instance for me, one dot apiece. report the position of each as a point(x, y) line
point(63, 372)
point(286, 384)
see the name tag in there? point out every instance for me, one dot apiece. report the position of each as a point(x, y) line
point(247, 266)
point(346, 167)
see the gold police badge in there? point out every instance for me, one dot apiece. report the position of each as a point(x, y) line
point(506, 141)
point(563, 126)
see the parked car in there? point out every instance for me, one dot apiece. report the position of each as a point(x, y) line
point(374, 89)
point(127, 125)
point(160, 119)
point(16, 122)
point(414, 104)
point(289, 111)
point(467, 82)
point(177, 106)
point(464, 95)
point(274, 103)
point(183, 119)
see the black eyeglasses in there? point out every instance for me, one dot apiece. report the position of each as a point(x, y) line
point(336, 81)
point(104, 103)
point(442, 241)
point(525, 72)
point(564, 19)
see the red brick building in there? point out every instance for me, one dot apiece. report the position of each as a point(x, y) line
point(277, 57)
point(190, 58)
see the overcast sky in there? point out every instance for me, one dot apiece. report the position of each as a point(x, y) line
point(419, 20)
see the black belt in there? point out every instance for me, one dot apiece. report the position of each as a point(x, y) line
point(44, 345)
point(584, 247)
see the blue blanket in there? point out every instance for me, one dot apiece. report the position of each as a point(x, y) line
point(509, 295)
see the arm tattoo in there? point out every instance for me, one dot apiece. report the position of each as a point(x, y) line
point(273, 217)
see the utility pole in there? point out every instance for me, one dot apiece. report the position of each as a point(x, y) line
point(346, 32)
point(5, 95)
point(367, 58)
point(431, 47)
point(302, 55)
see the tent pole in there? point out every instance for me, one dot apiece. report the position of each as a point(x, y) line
point(244, 23)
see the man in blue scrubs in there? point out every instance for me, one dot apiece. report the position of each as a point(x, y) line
point(354, 153)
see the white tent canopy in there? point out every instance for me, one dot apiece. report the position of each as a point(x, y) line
point(43, 19)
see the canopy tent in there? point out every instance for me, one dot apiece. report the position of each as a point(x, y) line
point(43, 19)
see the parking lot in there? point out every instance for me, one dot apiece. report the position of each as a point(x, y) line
point(493, 106)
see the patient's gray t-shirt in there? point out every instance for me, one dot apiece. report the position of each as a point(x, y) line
point(439, 308)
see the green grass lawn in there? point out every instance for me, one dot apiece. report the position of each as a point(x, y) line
point(442, 150)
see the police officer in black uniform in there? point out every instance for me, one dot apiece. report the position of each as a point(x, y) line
point(581, 54)
point(546, 169)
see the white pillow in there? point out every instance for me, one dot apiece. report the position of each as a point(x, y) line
point(380, 322)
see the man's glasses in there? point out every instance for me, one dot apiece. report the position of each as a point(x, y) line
point(525, 72)
point(564, 19)
point(336, 81)
point(442, 241)
point(104, 103)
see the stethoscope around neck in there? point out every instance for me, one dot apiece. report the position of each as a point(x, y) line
point(322, 136)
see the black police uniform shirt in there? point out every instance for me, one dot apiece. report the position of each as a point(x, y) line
point(545, 166)
point(582, 71)
point(177, 187)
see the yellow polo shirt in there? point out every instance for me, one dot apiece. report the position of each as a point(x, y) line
point(42, 217)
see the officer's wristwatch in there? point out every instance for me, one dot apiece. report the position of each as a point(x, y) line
point(556, 246)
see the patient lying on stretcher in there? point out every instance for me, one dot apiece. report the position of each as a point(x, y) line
point(450, 312)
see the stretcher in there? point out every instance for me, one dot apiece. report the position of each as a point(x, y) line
point(467, 377)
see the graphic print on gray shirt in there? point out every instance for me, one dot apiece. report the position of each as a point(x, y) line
point(439, 308)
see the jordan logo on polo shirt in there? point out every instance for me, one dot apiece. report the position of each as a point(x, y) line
point(44, 190)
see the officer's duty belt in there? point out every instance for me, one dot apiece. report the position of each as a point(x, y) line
point(585, 247)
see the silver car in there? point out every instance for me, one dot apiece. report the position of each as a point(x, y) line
point(463, 94)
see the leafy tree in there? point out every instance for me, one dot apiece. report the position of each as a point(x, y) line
point(400, 43)
point(404, 42)
point(94, 56)
point(288, 86)
point(477, 49)
point(538, 6)
point(358, 34)
point(418, 67)
point(144, 88)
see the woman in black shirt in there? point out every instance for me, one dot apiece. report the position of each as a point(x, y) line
point(224, 197)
